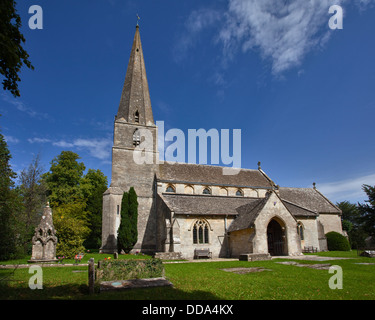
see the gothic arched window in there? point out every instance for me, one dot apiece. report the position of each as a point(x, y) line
point(170, 189)
point(300, 231)
point(200, 232)
point(136, 117)
point(136, 138)
point(239, 193)
point(206, 191)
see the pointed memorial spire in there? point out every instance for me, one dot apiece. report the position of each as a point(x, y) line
point(135, 103)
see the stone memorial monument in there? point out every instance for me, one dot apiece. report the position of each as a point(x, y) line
point(44, 240)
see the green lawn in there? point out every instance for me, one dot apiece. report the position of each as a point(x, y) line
point(206, 281)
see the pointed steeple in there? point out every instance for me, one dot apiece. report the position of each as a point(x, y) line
point(135, 103)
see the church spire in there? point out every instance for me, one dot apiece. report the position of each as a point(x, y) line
point(135, 103)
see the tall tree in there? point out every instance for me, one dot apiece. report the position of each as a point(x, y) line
point(128, 232)
point(95, 184)
point(8, 201)
point(67, 201)
point(33, 192)
point(64, 178)
point(351, 224)
point(350, 212)
point(12, 54)
point(367, 210)
point(133, 215)
point(123, 233)
point(75, 197)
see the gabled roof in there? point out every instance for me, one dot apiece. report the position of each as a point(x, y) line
point(247, 215)
point(298, 211)
point(310, 199)
point(204, 204)
point(211, 175)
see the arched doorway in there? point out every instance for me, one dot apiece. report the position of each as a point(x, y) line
point(276, 238)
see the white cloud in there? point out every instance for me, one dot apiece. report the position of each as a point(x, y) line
point(364, 4)
point(283, 31)
point(97, 148)
point(197, 21)
point(63, 144)
point(10, 139)
point(38, 140)
point(350, 190)
point(21, 106)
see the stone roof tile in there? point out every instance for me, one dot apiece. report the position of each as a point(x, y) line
point(204, 204)
point(308, 198)
point(211, 175)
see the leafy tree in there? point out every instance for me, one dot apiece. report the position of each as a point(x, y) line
point(133, 215)
point(95, 184)
point(71, 229)
point(33, 193)
point(128, 232)
point(351, 223)
point(64, 178)
point(9, 203)
point(78, 197)
point(350, 212)
point(367, 210)
point(12, 54)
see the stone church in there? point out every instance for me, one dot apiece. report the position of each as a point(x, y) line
point(183, 207)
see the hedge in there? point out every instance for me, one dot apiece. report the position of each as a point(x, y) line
point(337, 242)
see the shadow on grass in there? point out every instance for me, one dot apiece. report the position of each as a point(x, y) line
point(19, 290)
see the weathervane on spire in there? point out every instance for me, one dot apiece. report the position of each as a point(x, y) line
point(138, 18)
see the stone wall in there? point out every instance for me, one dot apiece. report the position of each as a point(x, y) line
point(310, 230)
point(331, 222)
point(241, 242)
point(218, 242)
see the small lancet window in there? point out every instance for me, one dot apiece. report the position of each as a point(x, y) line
point(206, 191)
point(300, 231)
point(136, 138)
point(239, 193)
point(136, 117)
point(170, 189)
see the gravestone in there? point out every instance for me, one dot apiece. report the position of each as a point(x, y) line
point(44, 240)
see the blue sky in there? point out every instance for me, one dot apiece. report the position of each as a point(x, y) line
point(302, 94)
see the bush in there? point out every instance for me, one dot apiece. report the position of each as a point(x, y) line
point(337, 242)
point(129, 269)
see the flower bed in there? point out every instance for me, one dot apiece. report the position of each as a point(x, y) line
point(111, 269)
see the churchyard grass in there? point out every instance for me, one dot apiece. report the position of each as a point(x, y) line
point(206, 281)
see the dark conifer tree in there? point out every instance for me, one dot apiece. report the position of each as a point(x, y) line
point(128, 232)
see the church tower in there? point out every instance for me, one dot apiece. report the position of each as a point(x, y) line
point(134, 123)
